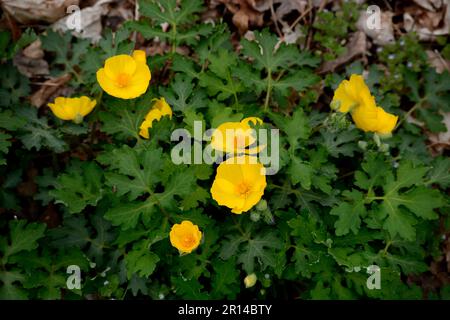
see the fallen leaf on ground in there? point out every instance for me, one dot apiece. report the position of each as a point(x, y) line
point(30, 61)
point(244, 15)
point(90, 21)
point(381, 36)
point(30, 11)
point(431, 5)
point(427, 24)
point(437, 61)
point(357, 46)
point(49, 87)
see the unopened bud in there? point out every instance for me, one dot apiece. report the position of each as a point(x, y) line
point(250, 280)
point(362, 144)
point(262, 205)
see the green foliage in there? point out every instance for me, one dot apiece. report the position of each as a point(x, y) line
point(99, 196)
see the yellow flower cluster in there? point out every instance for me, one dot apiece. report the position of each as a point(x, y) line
point(240, 181)
point(354, 96)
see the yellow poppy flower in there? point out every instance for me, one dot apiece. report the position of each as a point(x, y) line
point(72, 108)
point(239, 184)
point(353, 93)
point(235, 136)
point(354, 96)
point(374, 120)
point(185, 236)
point(125, 76)
point(159, 109)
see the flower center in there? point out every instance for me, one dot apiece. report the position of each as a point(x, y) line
point(243, 189)
point(188, 240)
point(123, 79)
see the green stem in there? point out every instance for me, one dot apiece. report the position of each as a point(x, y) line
point(388, 244)
point(174, 39)
point(407, 114)
point(269, 89)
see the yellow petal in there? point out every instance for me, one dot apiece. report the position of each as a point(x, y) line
point(140, 56)
point(119, 64)
point(86, 105)
point(163, 106)
point(72, 108)
point(254, 120)
point(143, 132)
point(185, 236)
point(351, 93)
point(386, 122)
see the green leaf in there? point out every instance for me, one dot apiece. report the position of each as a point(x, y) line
point(225, 280)
point(4, 146)
point(296, 128)
point(13, 86)
point(135, 171)
point(9, 290)
point(261, 249)
point(72, 233)
point(220, 79)
point(340, 143)
point(123, 118)
point(140, 260)
point(127, 215)
point(189, 289)
point(265, 53)
point(37, 132)
point(181, 96)
point(302, 172)
point(349, 214)
point(299, 81)
point(23, 237)
point(79, 187)
point(440, 173)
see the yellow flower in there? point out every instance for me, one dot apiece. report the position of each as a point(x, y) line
point(235, 136)
point(125, 76)
point(354, 96)
point(159, 109)
point(239, 183)
point(353, 93)
point(185, 236)
point(374, 120)
point(72, 108)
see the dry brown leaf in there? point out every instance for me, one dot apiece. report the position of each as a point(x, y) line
point(244, 15)
point(382, 36)
point(49, 87)
point(30, 11)
point(357, 46)
point(427, 24)
point(30, 61)
point(90, 18)
point(431, 5)
point(437, 61)
point(34, 50)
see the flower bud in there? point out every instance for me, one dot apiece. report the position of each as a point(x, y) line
point(250, 280)
point(255, 216)
point(362, 144)
point(262, 205)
